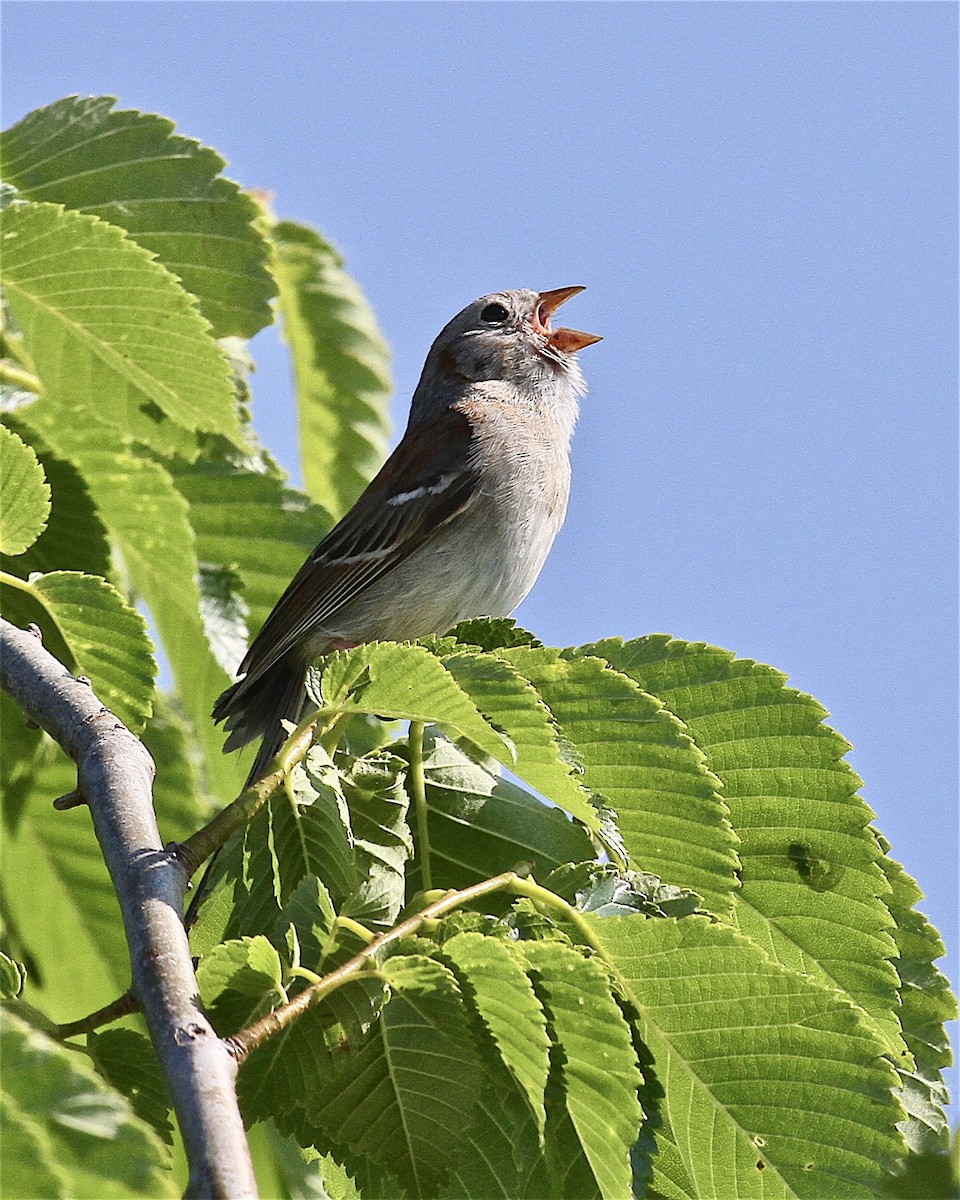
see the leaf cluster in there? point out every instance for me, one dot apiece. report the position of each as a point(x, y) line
point(649, 942)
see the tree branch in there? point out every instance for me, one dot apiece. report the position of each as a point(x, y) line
point(115, 775)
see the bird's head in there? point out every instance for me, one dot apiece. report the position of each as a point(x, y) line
point(507, 338)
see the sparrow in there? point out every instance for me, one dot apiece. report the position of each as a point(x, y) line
point(458, 522)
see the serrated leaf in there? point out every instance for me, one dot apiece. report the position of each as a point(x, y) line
point(165, 190)
point(927, 1176)
point(599, 1071)
point(312, 830)
point(157, 545)
point(511, 703)
point(82, 1132)
point(375, 792)
point(481, 824)
point(813, 894)
point(496, 1150)
point(74, 538)
point(406, 1097)
point(127, 1060)
point(402, 681)
point(606, 891)
point(308, 1175)
point(927, 1003)
point(107, 640)
point(638, 756)
point(772, 1084)
point(340, 363)
point(24, 494)
point(247, 965)
point(497, 985)
point(491, 633)
point(115, 339)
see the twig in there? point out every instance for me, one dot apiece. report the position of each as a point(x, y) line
point(115, 774)
point(121, 1007)
point(196, 849)
point(247, 1040)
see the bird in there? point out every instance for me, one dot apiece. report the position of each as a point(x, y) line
point(457, 523)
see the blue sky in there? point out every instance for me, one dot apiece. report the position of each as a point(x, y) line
point(761, 199)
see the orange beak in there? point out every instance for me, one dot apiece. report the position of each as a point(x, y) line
point(566, 340)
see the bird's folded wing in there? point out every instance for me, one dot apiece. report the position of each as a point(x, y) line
point(422, 486)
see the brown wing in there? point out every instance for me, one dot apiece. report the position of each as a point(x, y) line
point(420, 487)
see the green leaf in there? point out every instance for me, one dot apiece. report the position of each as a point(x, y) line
point(512, 705)
point(404, 681)
point(165, 190)
point(773, 1085)
point(157, 545)
point(638, 756)
point(308, 1175)
point(70, 1131)
point(496, 1149)
point(115, 339)
point(600, 1073)
point(76, 935)
point(107, 640)
point(374, 790)
point(24, 495)
point(236, 511)
point(31, 1166)
point(606, 891)
point(926, 1005)
point(178, 800)
point(250, 966)
point(313, 831)
point(928, 1176)
point(490, 633)
point(22, 746)
point(481, 824)
point(407, 1095)
point(12, 975)
point(240, 980)
point(493, 974)
point(340, 364)
point(126, 1059)
point(74, 538)
point(813, 893)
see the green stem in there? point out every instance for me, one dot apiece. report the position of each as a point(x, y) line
point(23, 380)
point(247, 1040)
point(197, 848)
point(418, 790)
point(15, 582)
point(358, 930)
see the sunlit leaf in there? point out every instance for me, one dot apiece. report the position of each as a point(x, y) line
point(340, 363)
point(69, 1126)
point(165, 190)
point(24, 494)
point(114, 337)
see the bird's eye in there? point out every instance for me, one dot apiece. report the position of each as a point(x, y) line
point(493, 314)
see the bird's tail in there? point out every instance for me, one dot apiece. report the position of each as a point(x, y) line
point(252, 708)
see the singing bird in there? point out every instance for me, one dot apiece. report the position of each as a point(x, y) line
point(458, 522)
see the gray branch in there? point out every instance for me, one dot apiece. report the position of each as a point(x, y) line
point(115, 775)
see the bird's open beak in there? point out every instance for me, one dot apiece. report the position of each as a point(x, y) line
point(566, 340)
